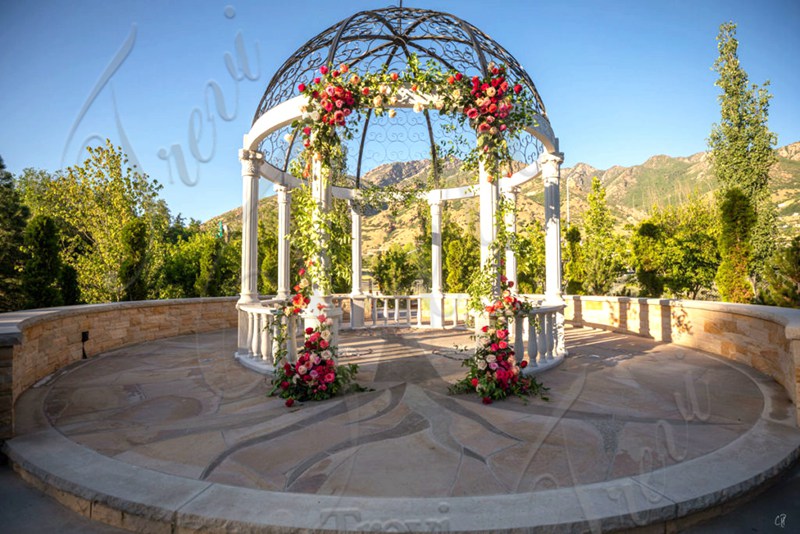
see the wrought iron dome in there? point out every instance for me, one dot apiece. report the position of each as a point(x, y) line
point(371, 41)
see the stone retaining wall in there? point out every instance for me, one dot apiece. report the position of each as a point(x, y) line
point(764, 337)
point(36, 343)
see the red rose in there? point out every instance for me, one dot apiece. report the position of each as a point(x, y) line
point(523, 364)
point(487, 400)
point(450, 79)
point(316, 80)
point(511, 283)
point(335, 74)
point(459, 76)
point(474, 382)
point(365, 91)
point(284, 385)
point(394, 76)
point(309, 331)
point(287, 367)
point(517, 88)
point(301, 87)
point(289, 402)
point(485, 329)
point(324, 70)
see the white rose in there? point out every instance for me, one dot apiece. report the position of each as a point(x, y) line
point(481, 365)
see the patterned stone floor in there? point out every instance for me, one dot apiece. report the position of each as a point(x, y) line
point(619, 406)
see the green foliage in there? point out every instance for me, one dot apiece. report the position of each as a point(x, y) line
point(530, 254)
point(601, 250)
point(13, 216)
point(676, 249)
point(783, 278)
point(393, 271)
point(741, 155)
point(132, 271)
point(40, 275)
point(736, 223)
point(92, 203)
point(461, 258)
point(201, 266)
point(68, 281)
point(573, 262)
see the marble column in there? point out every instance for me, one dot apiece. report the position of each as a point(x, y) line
point(437, 296)
point(550, 164)
point(510, 197)
point(284, 215)
point(356, 295)
point(251, 160)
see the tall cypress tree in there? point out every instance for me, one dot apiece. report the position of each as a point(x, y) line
point(741, 156)
point(13, 216)
point(42, 271)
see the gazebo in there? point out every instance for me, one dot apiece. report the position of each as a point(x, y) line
point(388, 41)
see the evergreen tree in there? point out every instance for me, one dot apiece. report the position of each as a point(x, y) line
point(41, 273)
point(393, 271)
point(741, 156)
point(132, 271)
point(784, 278)
point(573, 262)
point(13, 216)
point(462, 260)
point(601, 249)
point(737, 220)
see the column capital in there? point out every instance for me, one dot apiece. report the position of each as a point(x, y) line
point(551, 158)
point(251, 161)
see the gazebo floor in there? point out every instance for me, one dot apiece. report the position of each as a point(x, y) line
point(175, 435)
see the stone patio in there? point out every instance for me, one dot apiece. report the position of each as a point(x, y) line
point(634, 433)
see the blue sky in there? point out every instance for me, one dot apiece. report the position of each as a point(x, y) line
point(622, 80)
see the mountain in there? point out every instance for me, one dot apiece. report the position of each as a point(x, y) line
point(630, 191)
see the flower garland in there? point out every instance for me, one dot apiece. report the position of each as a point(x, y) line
point(315, 375)
point(493, 107)
point(494, 372)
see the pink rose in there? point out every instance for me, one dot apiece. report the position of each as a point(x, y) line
point(323, 344)
point(472, 113)
point(330, 377)
point(502, 345)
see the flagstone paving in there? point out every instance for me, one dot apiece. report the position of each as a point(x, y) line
point(620, 408)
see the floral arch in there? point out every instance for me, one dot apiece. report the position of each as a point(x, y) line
point(321, 112)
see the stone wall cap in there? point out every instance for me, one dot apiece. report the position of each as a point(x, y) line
point(13, 323)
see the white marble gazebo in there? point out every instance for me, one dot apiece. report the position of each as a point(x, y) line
point(389, 36)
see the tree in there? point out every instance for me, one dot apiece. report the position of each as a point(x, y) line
point(601, 249)
point(462, 260)
point(132, 271)
point(92, 203)
point(783, 278)
point(530, 253)
point(392, 270)
point(573, 262)
point(741, 156)
point(13, 216)
point(737, 220)
point(676, 249)
point(40, 275)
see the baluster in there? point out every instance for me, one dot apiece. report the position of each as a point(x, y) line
point(533, 347)
point(264, 334)
point(291, 338)
point(252, 332)
point(419, 311)
point(519, 346)
point(542, 338)
point(373, 310)
point(550, 334)
point(408, 311)
point(385, 311)
point(455, 312)
point(269, 347)
point(396, 311)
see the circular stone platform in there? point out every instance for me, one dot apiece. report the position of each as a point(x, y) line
point(174, 435)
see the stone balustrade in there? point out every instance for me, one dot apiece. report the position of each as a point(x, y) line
point(765, 338)
point(37, 343)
